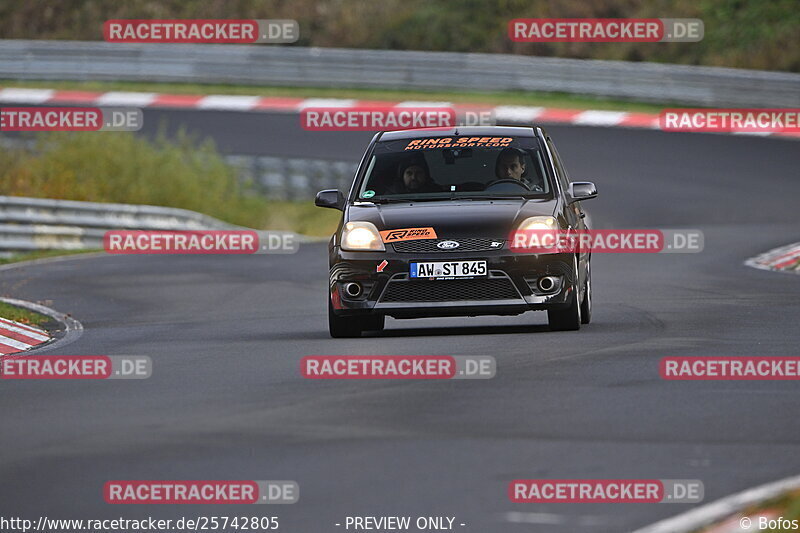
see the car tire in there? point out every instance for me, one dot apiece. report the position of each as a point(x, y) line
point(374, 323)
point(343, 327)
point(586, 302)
point(568, 318)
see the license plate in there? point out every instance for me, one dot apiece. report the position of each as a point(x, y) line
point(448, 269)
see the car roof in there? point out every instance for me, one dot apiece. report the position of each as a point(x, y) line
point(514, 131)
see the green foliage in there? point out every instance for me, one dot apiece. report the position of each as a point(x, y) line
point(120, 167)
point(761, 34)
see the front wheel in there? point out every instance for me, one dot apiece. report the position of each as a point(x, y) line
point(569, 318)
point(586, 303)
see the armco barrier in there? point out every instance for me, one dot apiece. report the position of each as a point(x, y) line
point(294, 66)
point(296, 179)
point(43, 224)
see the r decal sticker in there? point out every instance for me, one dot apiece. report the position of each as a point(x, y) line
point(408, 234)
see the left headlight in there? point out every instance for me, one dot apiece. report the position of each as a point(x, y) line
point(361, 237)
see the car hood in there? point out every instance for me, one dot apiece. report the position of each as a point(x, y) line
point(454, 218)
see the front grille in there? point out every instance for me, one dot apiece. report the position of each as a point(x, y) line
point(450, 290)
point(465, 245)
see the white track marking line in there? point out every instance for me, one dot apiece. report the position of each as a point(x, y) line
point(30, 334)
point(600, 118)
point(414, 103)
point(26, 96)
point(232, 102)
point(533, 518)
point(517, 112)
point(126, 99)
point(12, 343)
point(326, 102)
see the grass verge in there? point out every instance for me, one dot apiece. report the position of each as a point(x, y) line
point(557, 100)
point(19, 314)
point(40, 254)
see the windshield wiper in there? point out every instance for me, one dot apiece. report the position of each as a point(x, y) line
point(403, 200)
point(445, 199)
point(488, 197)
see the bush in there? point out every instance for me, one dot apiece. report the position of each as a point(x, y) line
point(122, 168)
point(738, 33)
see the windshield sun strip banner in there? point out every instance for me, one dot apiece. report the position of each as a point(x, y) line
point(458, 142)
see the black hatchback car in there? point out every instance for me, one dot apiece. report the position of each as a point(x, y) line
point(426, 227)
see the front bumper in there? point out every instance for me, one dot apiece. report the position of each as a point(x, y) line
point(510, 288)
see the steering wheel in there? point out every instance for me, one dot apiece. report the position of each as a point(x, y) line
point(506, 181)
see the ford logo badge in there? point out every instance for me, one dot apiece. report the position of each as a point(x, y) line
point(448, 245)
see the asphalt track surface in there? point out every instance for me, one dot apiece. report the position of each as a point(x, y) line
point(226, 335)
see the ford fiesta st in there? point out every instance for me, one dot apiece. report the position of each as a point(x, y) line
point(425, 230)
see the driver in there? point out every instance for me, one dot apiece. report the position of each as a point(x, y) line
point(510, 164)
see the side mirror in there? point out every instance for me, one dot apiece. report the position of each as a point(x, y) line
point(330, 198)
point(581, 190)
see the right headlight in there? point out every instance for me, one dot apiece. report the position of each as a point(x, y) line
point(537, 223)
point(532, 232)
point(361, 237)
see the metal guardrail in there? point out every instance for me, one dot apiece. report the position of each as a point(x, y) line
point(44, 224)
point(292, 179)
point(294, 66)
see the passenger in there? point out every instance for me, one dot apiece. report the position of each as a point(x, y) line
point(413, 177)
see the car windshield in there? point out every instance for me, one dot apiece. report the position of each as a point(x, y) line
point(456, 167)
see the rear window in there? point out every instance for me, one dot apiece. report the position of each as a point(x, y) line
point(456, 166)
